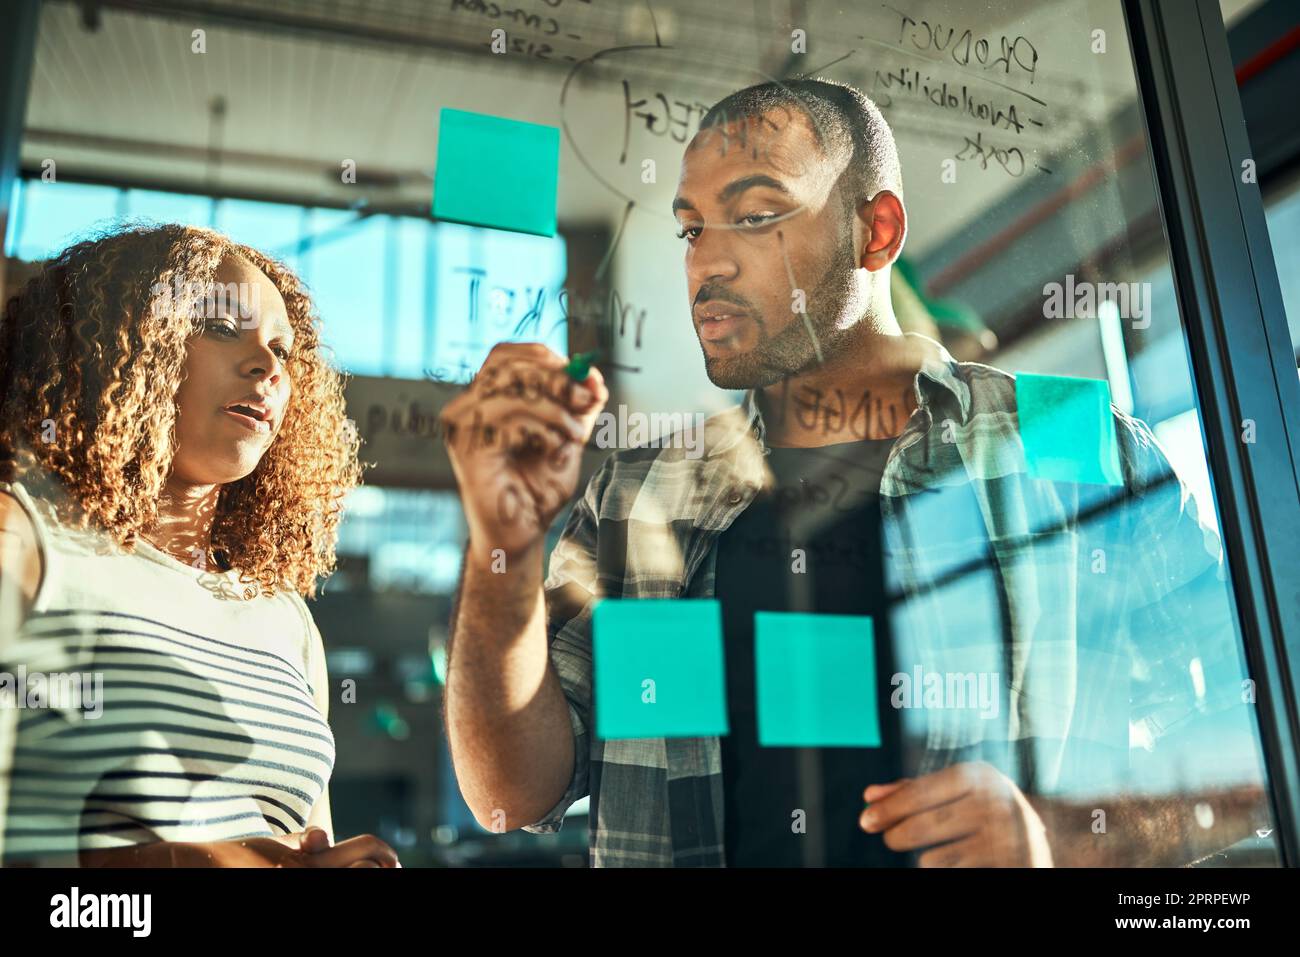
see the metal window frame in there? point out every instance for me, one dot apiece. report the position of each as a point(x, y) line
point(1240, 348)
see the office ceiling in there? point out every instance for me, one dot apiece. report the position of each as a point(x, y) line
point(284, 92)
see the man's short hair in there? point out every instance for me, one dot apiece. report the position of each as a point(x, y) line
point(843, 119)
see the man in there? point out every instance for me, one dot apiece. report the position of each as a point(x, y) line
point(867, 473)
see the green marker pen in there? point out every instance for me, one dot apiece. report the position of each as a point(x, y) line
point(580, 365)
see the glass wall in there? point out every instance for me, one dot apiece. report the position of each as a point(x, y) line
point(990, 565)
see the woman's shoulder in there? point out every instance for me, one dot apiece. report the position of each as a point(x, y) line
point(57, 522)
point(299, 607)
point(13, 512)
point(20, 542)
point(313, 648)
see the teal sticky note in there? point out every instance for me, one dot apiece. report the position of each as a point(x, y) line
point(816, 680)
point(496, 172)
point(1067, 429)
point(658, 668)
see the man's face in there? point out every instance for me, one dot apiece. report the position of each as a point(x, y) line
point(768, 234)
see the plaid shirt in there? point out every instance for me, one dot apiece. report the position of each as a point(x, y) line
point(1088, 601)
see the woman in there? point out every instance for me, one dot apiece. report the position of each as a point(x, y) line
point(173, 451)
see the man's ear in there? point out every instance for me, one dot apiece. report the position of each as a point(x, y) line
point(884, 232)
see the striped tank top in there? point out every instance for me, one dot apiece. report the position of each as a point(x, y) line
point(149, 700)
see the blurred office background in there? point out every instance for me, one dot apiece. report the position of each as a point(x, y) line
point(254, 134)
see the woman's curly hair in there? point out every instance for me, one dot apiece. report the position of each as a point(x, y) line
point(92, 351)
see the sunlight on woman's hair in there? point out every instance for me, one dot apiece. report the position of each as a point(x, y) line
point(92, 352)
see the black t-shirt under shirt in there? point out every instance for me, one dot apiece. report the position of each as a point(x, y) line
point(825, 501)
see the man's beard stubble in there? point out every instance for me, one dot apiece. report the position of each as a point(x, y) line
point(791, 351)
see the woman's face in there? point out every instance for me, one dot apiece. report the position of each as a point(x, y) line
point(231, 402)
